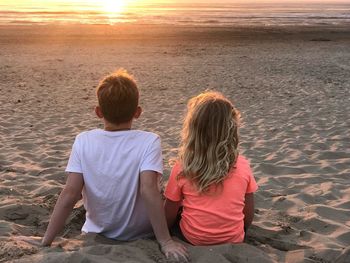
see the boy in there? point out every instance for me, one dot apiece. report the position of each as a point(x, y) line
point(116, 170)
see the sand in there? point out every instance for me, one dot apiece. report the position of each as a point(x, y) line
point(292, 86)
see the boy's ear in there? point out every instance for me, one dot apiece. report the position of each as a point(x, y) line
point(98, 112)
point(138, 112)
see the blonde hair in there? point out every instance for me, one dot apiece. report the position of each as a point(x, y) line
point(209, 145)
point(118, 97)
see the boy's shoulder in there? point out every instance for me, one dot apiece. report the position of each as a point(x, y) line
point(88, 133)
point(145, 136)
point(140, 134)
point(146, 133)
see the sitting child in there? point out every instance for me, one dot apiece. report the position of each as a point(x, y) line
point(116, 171)
point(212, 183)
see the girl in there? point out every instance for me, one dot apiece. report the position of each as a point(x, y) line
point(210, 180)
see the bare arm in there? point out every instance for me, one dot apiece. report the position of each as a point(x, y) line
point(248, 210)
point(64, 206)
point(171, 210)
point(154, 205)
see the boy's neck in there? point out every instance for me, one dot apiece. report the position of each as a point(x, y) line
point(117, 127)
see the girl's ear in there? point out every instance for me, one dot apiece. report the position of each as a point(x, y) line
point(98, 112)
point(138, 112)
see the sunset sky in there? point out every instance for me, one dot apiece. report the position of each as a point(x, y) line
point(223, 12)
point(44, 2)
point(115, 4)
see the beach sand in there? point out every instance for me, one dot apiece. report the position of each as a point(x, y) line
point(292, 86)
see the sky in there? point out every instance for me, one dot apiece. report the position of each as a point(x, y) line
point(116, 4)
point(167, 1)
point(42, 3)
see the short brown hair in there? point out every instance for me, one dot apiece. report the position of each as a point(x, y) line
point(118, 97)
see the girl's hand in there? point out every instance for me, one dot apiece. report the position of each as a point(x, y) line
point(175, 250)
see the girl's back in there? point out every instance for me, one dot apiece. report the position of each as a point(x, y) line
point(216, 216)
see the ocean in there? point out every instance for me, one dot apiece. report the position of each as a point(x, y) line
point(213, 14)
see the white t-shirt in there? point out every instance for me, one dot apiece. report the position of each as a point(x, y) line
point(111, 163)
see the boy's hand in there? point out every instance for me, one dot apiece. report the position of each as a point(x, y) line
point(32, 240)
point(175, 250)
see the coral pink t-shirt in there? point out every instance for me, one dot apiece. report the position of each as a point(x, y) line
point(215, 217)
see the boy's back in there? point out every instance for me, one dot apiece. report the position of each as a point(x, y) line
point(111, 163)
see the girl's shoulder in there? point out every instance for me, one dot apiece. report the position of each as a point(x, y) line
point(176, 169)
point(241, 168)
point(241, 160)
point(177, 165)
point(177, 172)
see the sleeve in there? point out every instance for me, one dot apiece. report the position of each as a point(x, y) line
point(74, 162)
point(252, 185)
point(153, 159)
point(173, 190)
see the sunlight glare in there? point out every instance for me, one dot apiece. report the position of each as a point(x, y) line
point(113, 6)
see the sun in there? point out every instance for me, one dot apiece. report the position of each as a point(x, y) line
point(113, 6)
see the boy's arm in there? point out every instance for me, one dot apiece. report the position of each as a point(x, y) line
point(248, 210)
point(154, 205)
point(64, 206)
point(171, 210)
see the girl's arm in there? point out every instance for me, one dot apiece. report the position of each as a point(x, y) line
point(248, 210)
point(171, 210)
point(154, 205)
point(64, 206)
